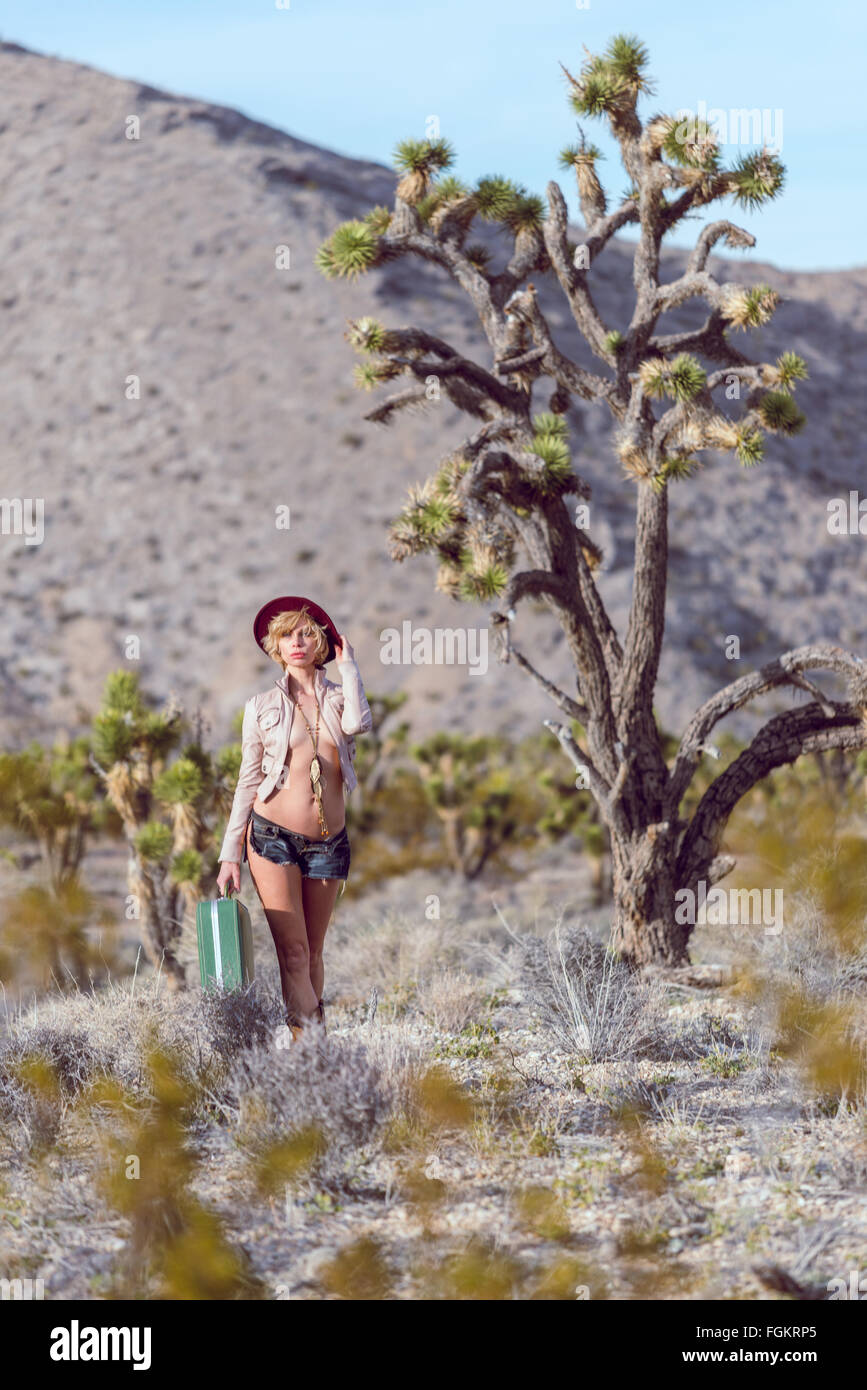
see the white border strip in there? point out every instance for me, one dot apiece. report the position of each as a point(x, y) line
point(215, 928)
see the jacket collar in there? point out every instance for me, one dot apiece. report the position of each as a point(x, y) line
point(328, 714)
point(318, 682)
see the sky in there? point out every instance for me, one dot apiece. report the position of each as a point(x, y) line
point(357, 76)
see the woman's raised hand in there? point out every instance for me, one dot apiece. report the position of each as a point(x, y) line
point(342, 649)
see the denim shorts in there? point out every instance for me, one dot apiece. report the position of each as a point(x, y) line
point(315, 858)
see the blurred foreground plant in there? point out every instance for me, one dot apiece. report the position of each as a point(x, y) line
point(175, 1243)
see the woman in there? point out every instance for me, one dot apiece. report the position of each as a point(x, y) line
point(288, 813)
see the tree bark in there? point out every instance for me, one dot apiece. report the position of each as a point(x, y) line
point(160, 928)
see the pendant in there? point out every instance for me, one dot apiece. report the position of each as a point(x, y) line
point(315, 771)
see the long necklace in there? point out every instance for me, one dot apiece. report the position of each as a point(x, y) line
point(317, 781)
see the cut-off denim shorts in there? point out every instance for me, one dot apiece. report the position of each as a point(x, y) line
point(315, 858)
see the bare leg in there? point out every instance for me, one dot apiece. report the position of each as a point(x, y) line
point(318, 896)
point(279, 890)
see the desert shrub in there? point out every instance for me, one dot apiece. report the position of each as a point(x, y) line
point(42, 1070)
point(304, 1111)
point(393, 954)
point(811, 955)
point(237, 1019)
point(111, 1032)
point(596, 1007)
point(852, 972)
point(74, 1057)
point(451, 999)
point(634, 1098)
point(32, 1108)
point(403, 1064)
point(808, 992)
point(702, 1037)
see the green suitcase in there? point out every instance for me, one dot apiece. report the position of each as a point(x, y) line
point(225, 937)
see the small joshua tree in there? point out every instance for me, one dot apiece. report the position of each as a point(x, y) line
point(162, 809)
point(481, 806)
point(51, 796)
point(495, 511)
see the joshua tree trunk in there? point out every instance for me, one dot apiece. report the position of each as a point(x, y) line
point(495, 511)
point(158, 898)
point(655, 854)
point(161, 918)
point(644, 929)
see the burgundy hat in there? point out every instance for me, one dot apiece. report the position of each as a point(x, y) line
point(290, 605)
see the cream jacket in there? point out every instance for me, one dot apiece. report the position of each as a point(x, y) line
point(265, 743)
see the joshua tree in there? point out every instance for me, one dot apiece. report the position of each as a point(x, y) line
point(51, 796)
point(495, 511)
point(481, 806)
point(161, 806)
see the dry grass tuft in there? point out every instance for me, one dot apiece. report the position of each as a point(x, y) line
point(451, 999)
point(596, 1007)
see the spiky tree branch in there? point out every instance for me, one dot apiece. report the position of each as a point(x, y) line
point(495, 512)
point(784, 670)
point(782, 740)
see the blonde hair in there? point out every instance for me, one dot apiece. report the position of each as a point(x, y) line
point(284, 623)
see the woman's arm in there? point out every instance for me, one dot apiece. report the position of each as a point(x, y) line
point(355, 717)
point(249, 779)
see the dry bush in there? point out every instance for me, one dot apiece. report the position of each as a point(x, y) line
point(712, 1038)
point(32, 1107)
point(404, 1066)
point(808, 984)
point(239, 1018)
point(111, 1032)
point(74, 1056)
point(308, 1107)
point(391, 955)
point(397, 1051)
point(810, 953)
point(596, 1007)
point(633, 1098)
point(451, 999)
point(808, 988)
point(698, 1037)
point(43, 1070)
point(843, 1155)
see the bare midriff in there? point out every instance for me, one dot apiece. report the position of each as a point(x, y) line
point(294, 805)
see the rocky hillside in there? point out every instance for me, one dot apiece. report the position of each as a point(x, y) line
point(155, 258)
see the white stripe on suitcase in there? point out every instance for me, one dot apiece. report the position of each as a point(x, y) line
point(215, 928)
